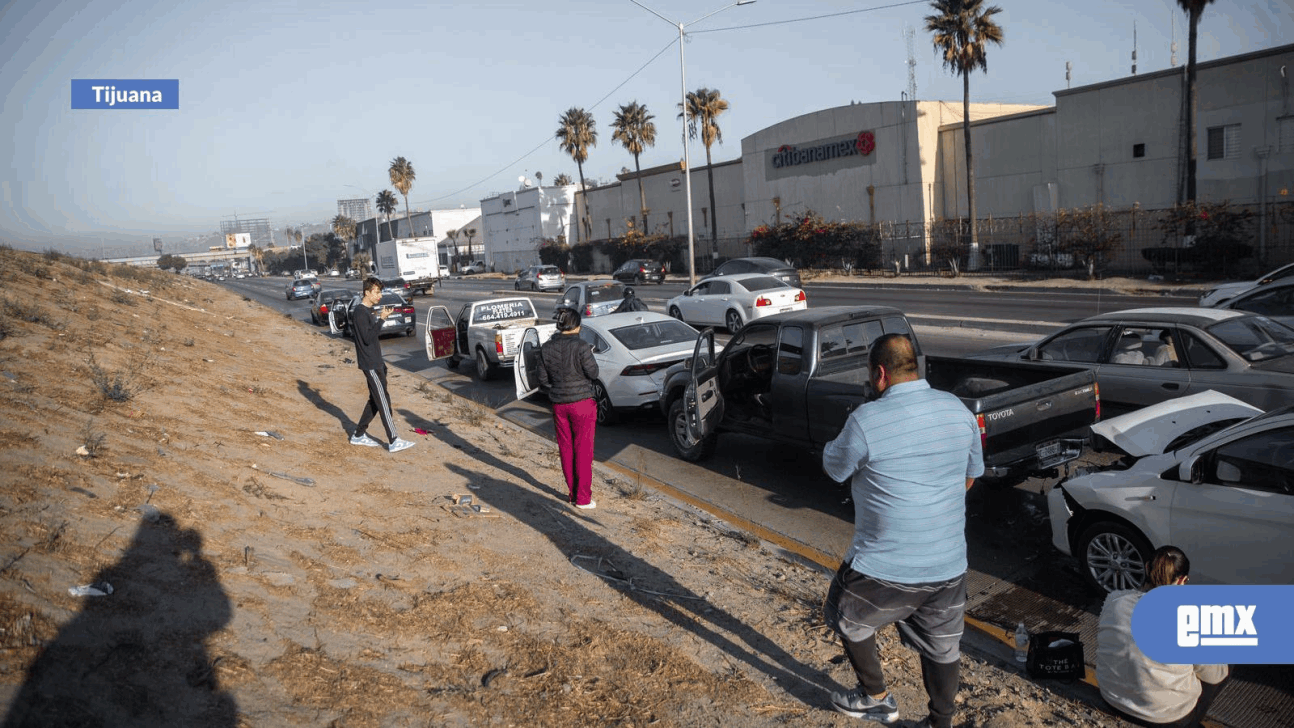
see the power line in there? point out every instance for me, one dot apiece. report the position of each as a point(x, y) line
point(545, 142)
point(815, 17)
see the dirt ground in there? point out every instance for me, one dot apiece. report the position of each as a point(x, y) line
point(262, 581)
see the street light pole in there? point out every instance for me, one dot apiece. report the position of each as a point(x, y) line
point(682, 83)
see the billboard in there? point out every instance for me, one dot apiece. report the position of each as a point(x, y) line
point(238, 240)
point(157, 245)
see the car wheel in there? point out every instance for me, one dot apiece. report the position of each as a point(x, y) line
point(484, 369)
point(314, 318)
point(1113, 556)
point(687, 448)
point(606, 413)
point(534, 286)
point(638, 280)
point(733, 321)
point(675, 313)
point(516, 285)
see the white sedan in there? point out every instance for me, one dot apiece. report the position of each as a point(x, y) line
point(1206, 473)
point(632, 350)
point(735, 300)
point(1224, 292)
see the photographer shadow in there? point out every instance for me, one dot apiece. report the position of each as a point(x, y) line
point(138, 656)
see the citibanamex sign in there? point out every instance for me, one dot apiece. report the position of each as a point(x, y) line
point(860, 146)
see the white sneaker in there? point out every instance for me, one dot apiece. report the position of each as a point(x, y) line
point(397, 445)
point(588, 506)
point(364, 440)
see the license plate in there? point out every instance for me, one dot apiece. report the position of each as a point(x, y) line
point(1049, 450)
point(784, 309)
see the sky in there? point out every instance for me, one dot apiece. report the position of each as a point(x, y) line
point(285, 108)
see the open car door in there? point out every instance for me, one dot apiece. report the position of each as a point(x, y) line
point(336, 314)
point(439, 334)
point(525, 370)
point(702, 400)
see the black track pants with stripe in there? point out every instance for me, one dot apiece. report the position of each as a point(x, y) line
point(379, 403)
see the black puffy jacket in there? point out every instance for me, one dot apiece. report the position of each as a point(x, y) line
point(567, 368)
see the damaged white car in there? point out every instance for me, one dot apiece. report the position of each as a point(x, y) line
point(1206, 473)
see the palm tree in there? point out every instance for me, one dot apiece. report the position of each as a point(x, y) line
point(344, 227)
point(962, 31)
point(402, 177)
point(386, 205)
point(578, 134)
point(1194, 9)
point(453, 236)
point(703, 108)
point(469, 232)
point(634, 129)
point(562, 179)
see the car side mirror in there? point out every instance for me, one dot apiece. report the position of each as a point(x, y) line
point(1031, 354)
point(1191, 470)
point(687, 292)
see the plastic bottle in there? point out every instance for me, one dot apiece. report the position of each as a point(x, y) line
point(1021, 643)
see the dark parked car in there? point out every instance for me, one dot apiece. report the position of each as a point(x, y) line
point(396, 313)
point(397, 285)
point(323, 300)
point(639, 271)
point(302, 288)
point(768, 266)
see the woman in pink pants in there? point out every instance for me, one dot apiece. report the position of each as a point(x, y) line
point(567, 369)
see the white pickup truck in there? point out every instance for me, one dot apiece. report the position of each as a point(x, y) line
point(488, 332)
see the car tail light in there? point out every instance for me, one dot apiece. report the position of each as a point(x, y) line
point(644, 369)
point(642, 269)
point(407, 310)
point(799, 296)
point(762, 301)
point(1097, 388)
point(498, 344)
point(983, 434)
point(323, 309)
point(588, 309)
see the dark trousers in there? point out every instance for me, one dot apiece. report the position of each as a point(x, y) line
point(379, 403)
point(575, 423)
point(1208, 693)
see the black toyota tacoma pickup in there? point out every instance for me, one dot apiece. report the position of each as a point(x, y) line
point(795, 377)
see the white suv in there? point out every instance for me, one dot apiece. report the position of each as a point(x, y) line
point(476, 266)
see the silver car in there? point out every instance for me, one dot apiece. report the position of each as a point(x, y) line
point(540, 278)
point(1224, 292)
point(1148, 355)
point(1206, 473)
point(1275, 301)
point(592, 298)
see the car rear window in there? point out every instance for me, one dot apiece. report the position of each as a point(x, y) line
point(762, 283)
point(391, 299)
point(549, 270)
point(656, 333)
point(605, 292)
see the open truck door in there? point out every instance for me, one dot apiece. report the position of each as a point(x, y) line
point(702, 400)
point(335, 314)
point(439, 333)
point(525, 370)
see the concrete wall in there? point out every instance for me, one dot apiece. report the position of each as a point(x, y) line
point(613, 205)
point(514, 224)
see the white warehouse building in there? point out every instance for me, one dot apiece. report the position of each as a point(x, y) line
point(514, 224)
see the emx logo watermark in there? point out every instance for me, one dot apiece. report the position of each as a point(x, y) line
point(125, 93)
point(1216, 624)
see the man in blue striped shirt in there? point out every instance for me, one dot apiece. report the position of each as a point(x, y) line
point(912, 454)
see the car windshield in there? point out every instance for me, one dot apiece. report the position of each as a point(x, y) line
point(1255, 338)
point(656, 333)
point(605, 292)
point(762, 283)
point(495, 311)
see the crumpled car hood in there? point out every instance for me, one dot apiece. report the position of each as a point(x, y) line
point(1149, 430)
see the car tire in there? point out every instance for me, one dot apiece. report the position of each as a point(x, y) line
point(534, 286)
point(607, 414)
point(732, 321)
point(314, 318)
point(484, 369)
point(516, 285)
point(638, 280)
point(675, 313)
point(690, 450)
point(1113, 556)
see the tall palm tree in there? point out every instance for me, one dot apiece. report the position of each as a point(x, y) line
point(703, 109)
point(1194, 9)
point(469, 232)
point(386, 205)
point(578, 134)
point(562, 179)
point(962, 31)
point(453, 237)
point(402, 177)
point(635, 131)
